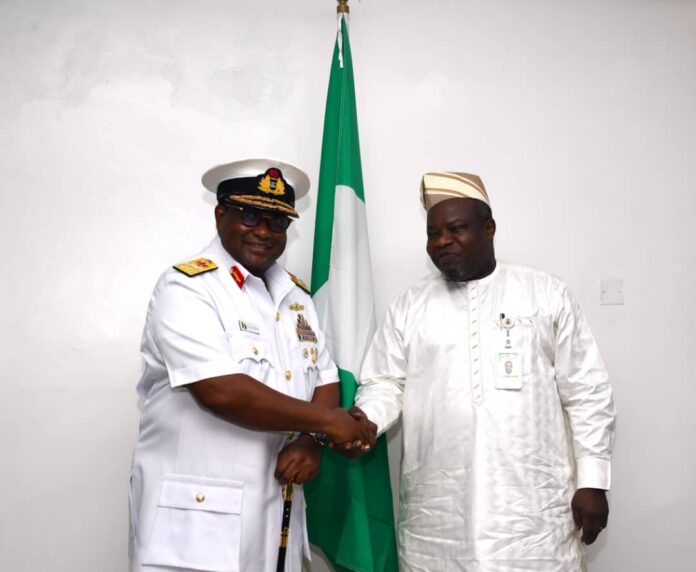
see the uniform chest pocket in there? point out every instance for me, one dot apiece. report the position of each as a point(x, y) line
point(310, 369)
point(301, 381)
point(253, 354)
point(198, 524)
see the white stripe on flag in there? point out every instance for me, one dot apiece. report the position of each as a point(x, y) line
point(345, 301)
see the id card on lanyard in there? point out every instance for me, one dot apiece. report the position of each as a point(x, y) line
point(508, 363)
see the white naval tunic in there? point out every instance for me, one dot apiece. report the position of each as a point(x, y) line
point(507, 409)
point(202, 491)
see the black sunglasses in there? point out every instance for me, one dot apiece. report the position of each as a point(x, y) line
point(252, 217)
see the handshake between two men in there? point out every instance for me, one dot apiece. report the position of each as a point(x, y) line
point(349, 432)
point(356, 447)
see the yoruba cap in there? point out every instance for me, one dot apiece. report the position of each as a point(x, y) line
point(442, 185)
point(264, 184)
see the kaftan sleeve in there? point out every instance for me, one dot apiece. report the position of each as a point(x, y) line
point(381, 384)
point(583, 386)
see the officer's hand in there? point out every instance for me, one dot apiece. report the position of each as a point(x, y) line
point(298, 462)
point(590, 512)
point(348, 429)
point(354, 449)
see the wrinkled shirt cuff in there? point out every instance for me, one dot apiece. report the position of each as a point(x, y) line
point(593, 473)
point(374, 413)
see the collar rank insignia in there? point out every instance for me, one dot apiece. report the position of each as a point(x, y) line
point(296, 307)
point(305, 333)
point(237, 276)
point(196, 267)
point(299, 283)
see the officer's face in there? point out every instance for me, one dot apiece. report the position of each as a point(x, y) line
point(256, 248)
point(460, 240)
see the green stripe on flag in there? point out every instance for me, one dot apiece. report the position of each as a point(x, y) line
point(340, 156)
point(349, 505)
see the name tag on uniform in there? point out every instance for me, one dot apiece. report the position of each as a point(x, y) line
point(249, 327)
point(509, 371)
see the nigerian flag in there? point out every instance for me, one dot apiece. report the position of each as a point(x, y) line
point(349, 506)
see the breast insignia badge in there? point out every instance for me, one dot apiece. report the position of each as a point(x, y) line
point(296, 307)
point(196, 267)
point(305, 333)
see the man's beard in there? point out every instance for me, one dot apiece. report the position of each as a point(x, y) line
point(459, 274)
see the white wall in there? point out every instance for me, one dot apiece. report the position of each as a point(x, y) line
point(579, 115)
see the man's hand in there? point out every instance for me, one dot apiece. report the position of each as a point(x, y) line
point(298, 462)
point(590, 512)
point(347, 427)
point(356, 448)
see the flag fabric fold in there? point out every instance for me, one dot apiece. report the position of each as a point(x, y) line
point(349, 505)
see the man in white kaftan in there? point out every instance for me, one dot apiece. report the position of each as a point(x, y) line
point(507, 409)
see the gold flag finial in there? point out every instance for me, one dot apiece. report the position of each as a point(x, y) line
point(343, 7)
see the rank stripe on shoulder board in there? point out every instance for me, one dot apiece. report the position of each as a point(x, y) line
point(196, 267)
point(299, 283)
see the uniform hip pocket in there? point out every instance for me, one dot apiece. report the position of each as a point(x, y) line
point(198, 524)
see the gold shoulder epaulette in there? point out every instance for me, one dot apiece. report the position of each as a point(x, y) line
point(299, 282)
point(196, 267)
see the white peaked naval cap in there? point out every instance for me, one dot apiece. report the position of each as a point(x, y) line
point(266, 184)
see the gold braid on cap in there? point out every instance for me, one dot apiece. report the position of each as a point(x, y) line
point(263, 203)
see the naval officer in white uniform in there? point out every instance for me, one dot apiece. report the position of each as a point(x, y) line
point(237, 384)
